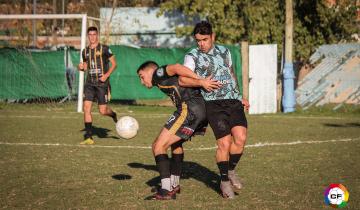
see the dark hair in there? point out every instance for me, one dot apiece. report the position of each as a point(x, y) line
point(203, 28)
point(92, 28)
point(147, 64)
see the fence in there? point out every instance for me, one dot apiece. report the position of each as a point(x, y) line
point(31, 75)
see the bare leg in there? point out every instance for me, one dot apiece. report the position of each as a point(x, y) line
point(222, 159)
point(159, 147)
point(107, 111)
point(236, 151)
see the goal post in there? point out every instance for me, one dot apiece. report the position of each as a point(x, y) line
point(84, 18)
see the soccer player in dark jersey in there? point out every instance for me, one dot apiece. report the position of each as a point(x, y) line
point(189, 119)
point(224, 106)
point(96, 59)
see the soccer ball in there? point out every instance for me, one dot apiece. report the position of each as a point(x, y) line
point(127, 127)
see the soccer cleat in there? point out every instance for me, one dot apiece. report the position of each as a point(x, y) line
point(87, 141)
point(163, 194)
point(235, 180)
point(226, 189)
point(175, 190)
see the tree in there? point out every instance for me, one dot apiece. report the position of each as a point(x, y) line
point(262, 21)
point(320, 22)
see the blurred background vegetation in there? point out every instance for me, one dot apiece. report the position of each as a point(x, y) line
point(316, 22)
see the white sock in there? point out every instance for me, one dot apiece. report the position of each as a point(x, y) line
point(165, 184)
point(175, 180)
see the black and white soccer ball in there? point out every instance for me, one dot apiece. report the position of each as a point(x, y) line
point(127, 127)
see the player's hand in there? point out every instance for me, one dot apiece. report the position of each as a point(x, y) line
point(210, 84)
point(82, 66)
point(104, 78)
point(246, 104)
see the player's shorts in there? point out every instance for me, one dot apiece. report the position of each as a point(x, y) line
point(225, 114)
point(96, 92)
point(188, 121)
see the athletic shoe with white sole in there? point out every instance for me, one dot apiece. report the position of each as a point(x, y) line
point(227, 190)
point(235, 180)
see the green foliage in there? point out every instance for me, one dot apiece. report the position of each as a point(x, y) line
point(317, 23)
point(263, 21)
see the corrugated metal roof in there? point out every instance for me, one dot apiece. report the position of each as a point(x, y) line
point(335, 79)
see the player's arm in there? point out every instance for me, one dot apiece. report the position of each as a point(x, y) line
point(83, 65)
point(111, 69)
point(245, 103)
point(178, 69)
point(207, 83)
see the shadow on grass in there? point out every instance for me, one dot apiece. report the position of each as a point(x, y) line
point(346, 125)
point(121, 176)
point(189, 170)
point(101, 132)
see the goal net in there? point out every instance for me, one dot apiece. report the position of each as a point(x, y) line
point(38, 62)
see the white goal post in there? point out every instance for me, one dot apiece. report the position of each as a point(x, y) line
point(84, 19)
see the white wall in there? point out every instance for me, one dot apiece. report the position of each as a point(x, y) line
point(262, 76)
point(141, 26)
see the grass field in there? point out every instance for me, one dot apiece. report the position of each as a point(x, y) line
point(289, 161)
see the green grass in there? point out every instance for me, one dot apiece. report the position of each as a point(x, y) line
point(70, 176)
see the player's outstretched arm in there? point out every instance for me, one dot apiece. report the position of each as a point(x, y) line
point(207, 83)
point(178, 69)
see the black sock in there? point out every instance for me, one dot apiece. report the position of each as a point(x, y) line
point(163, 165)
point(114, 116)
point(223, 168)
point(176, 162)
point(88, 130)
point(233, 160)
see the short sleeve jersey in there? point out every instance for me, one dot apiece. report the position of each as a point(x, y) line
point(170, 86)
point(97, 60)
point(216, 62)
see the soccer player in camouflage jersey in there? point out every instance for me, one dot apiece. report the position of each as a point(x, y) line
point(224, 106)
point(188, 120)
point(96, 58)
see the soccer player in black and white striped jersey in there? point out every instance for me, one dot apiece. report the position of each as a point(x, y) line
point(96, 62)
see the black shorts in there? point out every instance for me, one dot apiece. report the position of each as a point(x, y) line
point(96, 92)
point(223, 115)
point(188, 121)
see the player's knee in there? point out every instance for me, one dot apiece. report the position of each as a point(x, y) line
point(159, 147)
point(224, 144)
point(87, 109)
point(103, 111)
point(240, 139)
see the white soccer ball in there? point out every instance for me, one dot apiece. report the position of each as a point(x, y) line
point(127, 127)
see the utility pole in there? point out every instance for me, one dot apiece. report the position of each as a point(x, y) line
point(288, 75)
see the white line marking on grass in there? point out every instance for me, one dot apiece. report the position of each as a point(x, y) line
point(77, 117)
point(198, 149)
point(159, 115)
point(38, 116)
